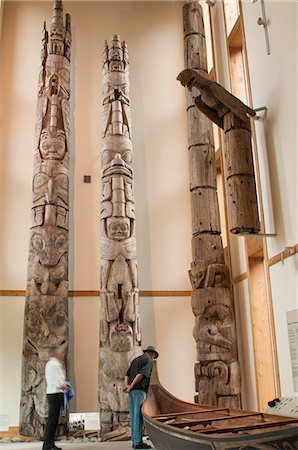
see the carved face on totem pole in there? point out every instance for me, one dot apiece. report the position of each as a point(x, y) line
point(117, 163)
point(47, 272)
point(121, 337)
point(213, 333)
point(118, 228)
point(50, 184)
point(50, 194)
point(57, 32)
point(46, 324)
point(214, 330)
point(52, 144)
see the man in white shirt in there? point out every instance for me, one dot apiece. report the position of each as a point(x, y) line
point(55, 379)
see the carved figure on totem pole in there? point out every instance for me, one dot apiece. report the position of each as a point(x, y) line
point(120, 336)
point(217, 372)
point(46, 306)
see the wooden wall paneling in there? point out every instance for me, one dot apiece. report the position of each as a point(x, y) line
point(263, 355)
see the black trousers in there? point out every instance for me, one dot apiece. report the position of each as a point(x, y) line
point(55, 402)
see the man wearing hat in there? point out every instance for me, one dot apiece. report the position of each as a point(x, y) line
point(136, 385)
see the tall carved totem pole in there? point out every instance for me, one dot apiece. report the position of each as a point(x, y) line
point(46, 306)
point(120, 336)
point(217, 372)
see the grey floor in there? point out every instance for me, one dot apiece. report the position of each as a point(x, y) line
point(125, 445)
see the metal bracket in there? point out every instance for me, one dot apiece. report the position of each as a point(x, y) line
point(262, 108)
point(260, 234)
point(264, 22)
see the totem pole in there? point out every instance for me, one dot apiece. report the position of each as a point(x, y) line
point(46, 305)
point(217, 372)
point(120, 336)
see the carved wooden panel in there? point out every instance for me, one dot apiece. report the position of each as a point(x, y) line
point(120, 335)
point(46, 305)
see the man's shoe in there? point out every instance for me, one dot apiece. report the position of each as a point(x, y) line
point(142, 445)
point(54, 448)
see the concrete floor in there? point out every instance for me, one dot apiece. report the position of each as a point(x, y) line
point(119, 445)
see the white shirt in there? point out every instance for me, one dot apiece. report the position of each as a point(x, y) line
point(55, 375)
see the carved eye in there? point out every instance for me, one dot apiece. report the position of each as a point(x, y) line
point(107, 156)
point(59, 320)
point(127, 157)
point(33, 320)
point(37, 242)
point(61, 242)
point(39, 181)
point(44, 135)
point(60, 136)
point(45, 145)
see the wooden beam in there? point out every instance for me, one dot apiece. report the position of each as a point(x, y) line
point(254, 247)
point(288, 251)
point(239, 278)
point(184, 413)
point(230, 417)
point(253, 426)
point(12, 293)
point(235, 37)
point(22, 293)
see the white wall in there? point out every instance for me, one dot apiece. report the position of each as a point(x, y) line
point(285, 296)
point(274, 85)
point(11, 338)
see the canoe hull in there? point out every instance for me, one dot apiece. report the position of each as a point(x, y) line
point(164, 439)
point(173, 424)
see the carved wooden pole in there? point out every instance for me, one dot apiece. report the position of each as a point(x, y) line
point(46, 306)
point(239, 173)
point(217, 370)
point(120, 336)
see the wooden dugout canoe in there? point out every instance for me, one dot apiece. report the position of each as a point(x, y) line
point(174, 424)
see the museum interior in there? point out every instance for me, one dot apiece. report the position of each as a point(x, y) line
point(152, 210)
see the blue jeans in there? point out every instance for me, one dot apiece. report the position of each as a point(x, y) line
point(136, 398)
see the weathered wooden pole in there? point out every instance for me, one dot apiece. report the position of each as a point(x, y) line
point(46, 305)
point(217, 372)
point(229, 113)
point(120, 336)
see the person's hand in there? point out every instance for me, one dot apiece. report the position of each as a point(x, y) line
point(65, 387)
point(127, 389)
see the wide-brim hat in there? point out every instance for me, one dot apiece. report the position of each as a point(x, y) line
point(150, 348)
